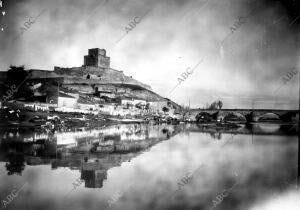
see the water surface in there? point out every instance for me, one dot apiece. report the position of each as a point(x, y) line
point(174, 167)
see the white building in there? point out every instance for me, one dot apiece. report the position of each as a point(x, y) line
point(65, 100)
point(132, 101)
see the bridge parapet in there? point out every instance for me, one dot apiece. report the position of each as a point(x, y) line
point(248, 114)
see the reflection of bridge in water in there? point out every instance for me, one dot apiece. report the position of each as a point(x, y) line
point(251, 129)
point(249, 115)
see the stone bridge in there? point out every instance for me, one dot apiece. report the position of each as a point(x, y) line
point(248, 115)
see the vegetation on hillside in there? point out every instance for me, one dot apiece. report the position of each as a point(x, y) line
point(16, 84)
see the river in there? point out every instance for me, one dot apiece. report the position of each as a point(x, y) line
point(144, 167)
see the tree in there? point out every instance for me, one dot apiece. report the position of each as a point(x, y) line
point(220, 104)
point(147, 107)
point(165, 109)
point(216, 105)
point(17, 76)
point(213, 105)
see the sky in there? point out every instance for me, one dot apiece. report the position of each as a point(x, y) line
point(243, 52)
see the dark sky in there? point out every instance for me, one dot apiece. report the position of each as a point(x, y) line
point(244, 70)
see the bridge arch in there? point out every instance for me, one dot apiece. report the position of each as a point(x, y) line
point(204, 117)
point(268, 117)
point(235, 116)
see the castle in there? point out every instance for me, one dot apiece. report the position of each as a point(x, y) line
point(96, 70)
point(97, 57)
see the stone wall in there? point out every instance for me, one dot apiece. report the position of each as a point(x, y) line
point(97, 76)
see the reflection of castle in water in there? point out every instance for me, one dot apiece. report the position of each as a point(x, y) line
point(83, 150)
point(94, 171)
point(121, 141)
point(93, 168)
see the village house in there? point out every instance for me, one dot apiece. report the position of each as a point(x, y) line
point(65, 100)
point(132, 101)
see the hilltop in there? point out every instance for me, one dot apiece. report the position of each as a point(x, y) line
point(93, 87)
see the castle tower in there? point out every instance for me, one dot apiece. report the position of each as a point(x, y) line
point(97, 58)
